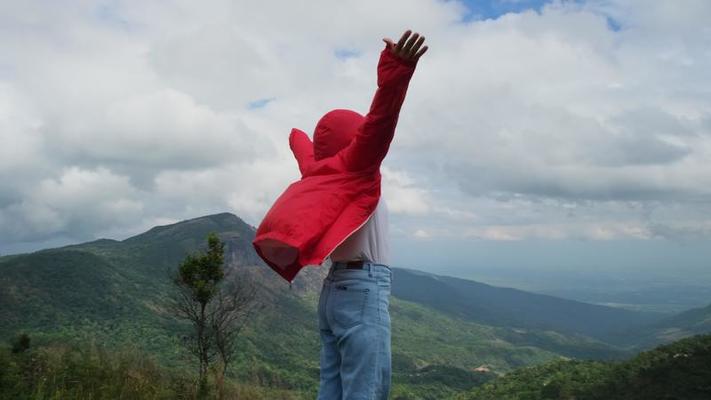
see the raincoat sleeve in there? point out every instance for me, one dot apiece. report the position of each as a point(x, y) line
point(303, 149)
point(371, 143)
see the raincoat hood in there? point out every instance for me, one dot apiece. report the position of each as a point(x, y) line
point(334, 131)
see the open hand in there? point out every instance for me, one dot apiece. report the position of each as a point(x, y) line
point(408, 50)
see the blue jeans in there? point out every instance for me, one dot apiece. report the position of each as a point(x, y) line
point(354, 325)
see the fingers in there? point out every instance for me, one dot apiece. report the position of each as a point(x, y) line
point(416, 46)
point(408, 46)
point(402, 40)
point(420, 53)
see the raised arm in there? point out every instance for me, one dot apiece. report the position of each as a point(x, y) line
point(395, 68)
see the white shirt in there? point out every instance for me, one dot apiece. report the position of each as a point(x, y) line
point(369, 243)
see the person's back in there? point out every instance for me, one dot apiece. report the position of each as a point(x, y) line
point(335, 211)
point(370, 242)
point(353, 309)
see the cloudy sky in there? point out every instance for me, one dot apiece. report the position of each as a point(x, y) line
point(561, 134)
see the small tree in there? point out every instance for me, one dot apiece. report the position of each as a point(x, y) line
point(232, 308)
point(217, 308)
point(197, 281)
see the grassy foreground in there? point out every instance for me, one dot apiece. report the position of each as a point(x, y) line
point(72, 371)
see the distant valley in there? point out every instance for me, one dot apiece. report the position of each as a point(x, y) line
point(638, 290)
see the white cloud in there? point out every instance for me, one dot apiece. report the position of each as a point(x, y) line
point(76, 203)
point(607, 230)
point(531, 125)
point(402, 195)
point(421, 234)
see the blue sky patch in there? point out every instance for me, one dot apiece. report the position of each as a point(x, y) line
point(491, 9)
point(613, 24)
point(260, 103)
point(108, 13)
point(345, 53)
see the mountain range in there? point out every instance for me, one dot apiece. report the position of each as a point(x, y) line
point(114, 292)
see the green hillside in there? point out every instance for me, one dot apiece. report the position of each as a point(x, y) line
point(692, 322)
point(113, 292)
point(681, 370)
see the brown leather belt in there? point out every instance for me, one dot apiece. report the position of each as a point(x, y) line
point(357, 264)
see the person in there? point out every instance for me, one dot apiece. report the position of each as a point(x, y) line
point(335, 213)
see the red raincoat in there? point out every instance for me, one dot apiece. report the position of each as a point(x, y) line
point(340, 177)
